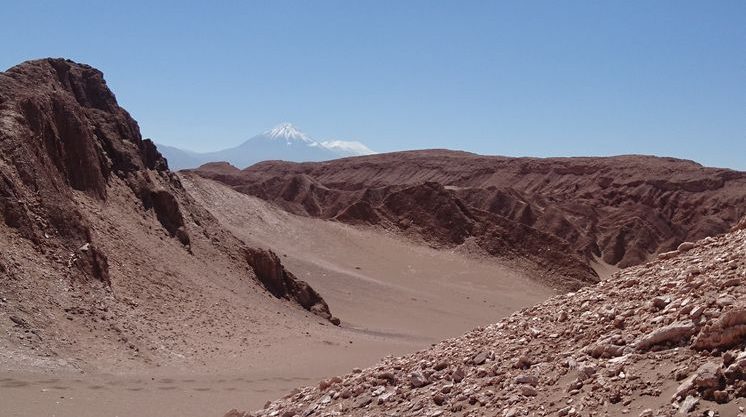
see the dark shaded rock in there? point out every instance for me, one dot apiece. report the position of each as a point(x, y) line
point(283, 284)
point(19, 322)
point(93, 263)
point(167, 210)
point(63, 128)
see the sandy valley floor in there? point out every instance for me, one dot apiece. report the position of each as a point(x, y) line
point(393, 297)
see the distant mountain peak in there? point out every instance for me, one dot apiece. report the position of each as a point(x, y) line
point(288, 132)
point(347, 148)
point(282, 142)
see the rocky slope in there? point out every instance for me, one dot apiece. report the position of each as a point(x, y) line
point(98, 235)
point(661, 339)
point(562, 214)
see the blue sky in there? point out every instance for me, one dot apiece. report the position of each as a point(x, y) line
point(522, 78)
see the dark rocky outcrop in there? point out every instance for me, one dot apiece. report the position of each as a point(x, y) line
point(62, 130)
point(67, 149)
point(283, 284)
point(92, 261)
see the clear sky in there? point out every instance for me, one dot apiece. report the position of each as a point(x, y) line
point(520, 78)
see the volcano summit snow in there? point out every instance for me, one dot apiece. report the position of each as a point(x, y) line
point(283, 142)
point(288, 132)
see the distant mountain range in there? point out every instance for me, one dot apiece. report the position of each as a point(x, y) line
point(283, 142)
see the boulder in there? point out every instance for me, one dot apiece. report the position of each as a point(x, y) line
point(673, 333)
point(283, 284)
point(729, 330)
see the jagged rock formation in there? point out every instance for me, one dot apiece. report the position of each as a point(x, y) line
point(283, 284)
point(560, 213)
point(82, 194)
point(63, 130)
point(661, 339)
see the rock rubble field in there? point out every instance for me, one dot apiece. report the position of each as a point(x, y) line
point(661, 339)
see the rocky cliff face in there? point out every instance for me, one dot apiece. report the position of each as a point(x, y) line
point(61, 131)
point(82, 194)
point(560, 213)
point(661, 339)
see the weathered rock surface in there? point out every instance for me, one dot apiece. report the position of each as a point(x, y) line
point(92, 219)
point(63, 131)
point(627, 343)
point(727, 331)
point(283, 284)
point(559, 214)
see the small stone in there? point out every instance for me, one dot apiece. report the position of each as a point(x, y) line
point(688, 404)
point(564, 411)
point(686, 246)
point(562, 316)
point(523, 362)
point(418, 380)
point(696, 312)
point(707, 376)
point(363, 401)
point(510, 412)
point(671, 333)
point(385, 397)
point(661, 301)
point(458, 375)
point(527, 379)
point(720, 396)
point(440, 366)
point(527, 390)
point(667, 255)
point(479, 358)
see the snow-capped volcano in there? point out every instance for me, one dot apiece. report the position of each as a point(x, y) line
point(282, 142)
point(287, 132)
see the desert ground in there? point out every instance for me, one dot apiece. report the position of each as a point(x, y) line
point(393, 295)
point(430, 281)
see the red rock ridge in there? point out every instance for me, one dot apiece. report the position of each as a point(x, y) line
point(562, 213)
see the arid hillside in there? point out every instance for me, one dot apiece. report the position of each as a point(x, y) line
point(101, 248)
point(562, 214)
point(661, 339)
point(126, 289)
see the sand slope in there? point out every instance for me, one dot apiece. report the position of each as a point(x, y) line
point(228, 346)
point(662, 339)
